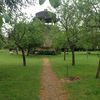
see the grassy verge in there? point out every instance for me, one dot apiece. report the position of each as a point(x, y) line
point(16, 81)
point(87, 88)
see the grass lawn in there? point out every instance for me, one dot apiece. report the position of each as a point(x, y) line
point(87, 88)
point(18, 82)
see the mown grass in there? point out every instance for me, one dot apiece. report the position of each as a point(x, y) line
point(87, 88)
point(16, 81)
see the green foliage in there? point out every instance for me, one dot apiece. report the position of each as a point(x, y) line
point(69, 21)
point(35, 33)
point(55, 3)
point(1, 6)
point(58, 37)
point(28, 35)
point(10, 44)
point(47, 52)
point(19, 34)
point(41, 1)
point(7, 17)
point(1, 44)
point(80, 21)
point(1, 21)
point(2, 41)
point(12, 4)
point(85, 41)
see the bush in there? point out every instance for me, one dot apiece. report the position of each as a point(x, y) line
point(47, 52)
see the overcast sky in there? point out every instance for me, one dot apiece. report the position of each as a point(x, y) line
point(31, 10)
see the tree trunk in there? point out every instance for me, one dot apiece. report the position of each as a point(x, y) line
point(98, 70)
point(64, 54)
point(73, 56)
point(24, 58)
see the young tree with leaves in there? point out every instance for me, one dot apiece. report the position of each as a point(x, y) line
point(70, 23)
point(35, 35)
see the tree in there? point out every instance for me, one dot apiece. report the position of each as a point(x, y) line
point(58, 38)
point(13, 4)
point(23, 35)
point(27, 35)
point(19, 37)
point(90, 17)
point(70, 23)
point(35, 36)
point(79, 15)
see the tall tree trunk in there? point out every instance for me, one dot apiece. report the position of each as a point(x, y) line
point(98, 70)
point(64, 54)
point(24, 58)
point(73, 56)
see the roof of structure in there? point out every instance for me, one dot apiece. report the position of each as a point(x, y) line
point(47, 16)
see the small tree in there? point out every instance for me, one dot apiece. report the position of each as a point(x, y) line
point(70, 23)
point(35, 35)
point(27, 36)
point(58, 37)
point(19, 36)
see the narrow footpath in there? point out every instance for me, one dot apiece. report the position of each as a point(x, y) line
point(51, 88)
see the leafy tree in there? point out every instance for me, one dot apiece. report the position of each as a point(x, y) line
point(58, 38)
point(77, 16)
point(35, 36)
point(19, 37)
point(13, 4)
point(90, 16)
point(70, 23)
point(23, 35)
point(27, 36)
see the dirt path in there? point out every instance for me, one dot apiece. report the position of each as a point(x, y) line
point(51, 87)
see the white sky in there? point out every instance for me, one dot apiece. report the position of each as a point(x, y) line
point(31, 10)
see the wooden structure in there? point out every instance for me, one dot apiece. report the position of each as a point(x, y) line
point(47, 17)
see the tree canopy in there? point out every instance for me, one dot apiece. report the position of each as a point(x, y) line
point(54, 3)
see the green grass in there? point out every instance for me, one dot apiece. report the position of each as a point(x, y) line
point(23, 83)
point(16, 81)
point(87, 88)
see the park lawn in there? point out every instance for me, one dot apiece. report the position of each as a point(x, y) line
point(87, 88)
point(16, 81)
